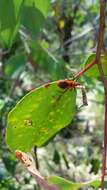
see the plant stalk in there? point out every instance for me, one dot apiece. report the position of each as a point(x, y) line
point(105, 145)
point(100, 47)
point(81, 72)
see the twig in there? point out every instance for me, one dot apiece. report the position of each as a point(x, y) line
point(105, 146)
point(101, 40)
point(36, 157)
point(23, 157)
point(80, 73)
point(100, 47)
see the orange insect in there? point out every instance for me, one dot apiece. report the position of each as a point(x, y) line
point(67, 83)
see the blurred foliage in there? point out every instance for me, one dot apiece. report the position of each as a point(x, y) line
point(42, 41)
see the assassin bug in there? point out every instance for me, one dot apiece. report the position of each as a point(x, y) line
point(69, 84)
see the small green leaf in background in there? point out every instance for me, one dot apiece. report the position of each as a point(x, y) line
point(34, 14)
point(32, 19)
point(7, 36)
point(56, 157)
point(14, 13)
point(43, 6)
point(64, 184)
point(9, 21)
point(39, 116)
point(2, 103)
point(95, 165)
point(48, 62)
point(7, 14)
point(93, 71)
point(105, 184)
point(14, 64)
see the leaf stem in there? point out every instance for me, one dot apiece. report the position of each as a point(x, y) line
point(81, 72)
point(100, 47)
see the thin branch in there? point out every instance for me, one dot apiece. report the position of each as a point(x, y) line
point(80, 73)
point(100, 47)
point(105, 146)
point(101, 40)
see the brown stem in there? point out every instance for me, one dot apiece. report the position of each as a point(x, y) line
point(105, 145)
point(80, 73)
point(32, 62)
point(100, 47)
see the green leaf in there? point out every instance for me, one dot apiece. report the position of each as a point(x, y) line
point(104, 64)
point(48, 62)
point(7, 36)
point(39, 116)
point(56, 157)
point(14, 64)
point(13, 13)
point(7, 14)
point(105, 184)
point(93, 71)
point(17, 8)
point(41, 5)
point(36, 12)
point(64, 184)
point(2, 103)
point(34, 20)
point(9, 20)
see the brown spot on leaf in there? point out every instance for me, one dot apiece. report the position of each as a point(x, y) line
point(28, 122)
point(46, 85)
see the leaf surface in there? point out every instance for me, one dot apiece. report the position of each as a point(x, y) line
point(39, 116)
point(9, 21)
point(64, 184)
point(93, 71)
point(32, 19)
point(48, 62)
point(14, 64)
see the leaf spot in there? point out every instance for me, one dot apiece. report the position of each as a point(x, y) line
point(46, 85)
point(28, 122)
point(45, 130)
